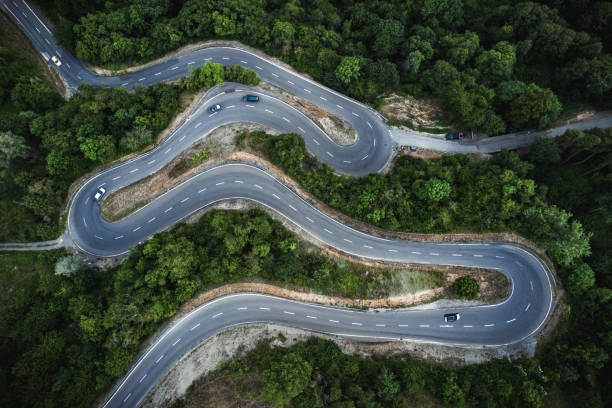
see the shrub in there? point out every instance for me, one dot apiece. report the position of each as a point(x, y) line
point(466, 287)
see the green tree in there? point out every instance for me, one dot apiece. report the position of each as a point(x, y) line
point(389, 34)
point(432, 190)
point(460, 48)
point(564, 240)
point(466, 287)
point(11, 147)
point(349, 69)
point(580, 277)
point(386, 385)
point(498, 63)
point(283, 33)
point(534, 107)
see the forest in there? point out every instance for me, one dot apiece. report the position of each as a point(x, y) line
point(67, 330)
point(315, 373)
point(47, 143)
point(557, 195)
point(495, 66)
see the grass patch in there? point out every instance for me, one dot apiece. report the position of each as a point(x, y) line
point(397, 282)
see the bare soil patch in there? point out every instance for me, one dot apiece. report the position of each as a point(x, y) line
point(412, 112)
point(337, 129)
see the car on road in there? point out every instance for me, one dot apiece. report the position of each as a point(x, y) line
point(452, 136)
point(451, 317)
point(214, 108)
point(99, 193)
point(56, 61)
point(413, 148)
point(250, 98)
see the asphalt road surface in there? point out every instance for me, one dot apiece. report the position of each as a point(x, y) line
point(511, 321)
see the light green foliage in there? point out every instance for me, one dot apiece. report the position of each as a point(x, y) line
point(432, 190)
point(215, 74)
point(70, 265)
point(466, 287)
point(199, 157)
point(11, 147)
point(348, 70)
point(387, 387)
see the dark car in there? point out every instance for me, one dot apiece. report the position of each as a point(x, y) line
point(451, 317)
point(250, 98)
point(214, 108)
point(452, 136)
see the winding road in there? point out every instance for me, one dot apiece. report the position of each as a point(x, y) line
point(515, 319)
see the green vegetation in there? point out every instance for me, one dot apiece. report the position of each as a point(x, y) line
point(466, 287)
point(46, 143)
point(199, 157)
point(316, 373)
point(67, 331)
point(215, 74)
point(495, 65)
point(500, 194)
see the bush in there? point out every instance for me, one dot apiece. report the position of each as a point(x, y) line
point(466, 287)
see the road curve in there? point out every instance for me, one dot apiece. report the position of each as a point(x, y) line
point(511, 321)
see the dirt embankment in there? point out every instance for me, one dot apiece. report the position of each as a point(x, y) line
point(237, 341)
point(337, 129)
point(411, 112)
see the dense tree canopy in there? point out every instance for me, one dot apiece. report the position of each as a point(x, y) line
point(363, 48)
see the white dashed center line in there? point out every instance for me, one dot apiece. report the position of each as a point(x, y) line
point(285, 119)
point(292, 207)
point(142, 379)
point(258, 186)
point(423, 325)
point(291, 82)
point(528, 305)
point(370, 125)
point(197, 125)
point(489, 325)
point(151, 220)
point(220, 183)
point(136, 229)
point(511, 320)
point(142, 79)
point(301, 130)
point(339, 106)
point(367, 246)
point(275, 196)
point(258, 67)
point(328, 231)
point(195, 327)
point(348, 240)
point(334, 321)
point(167, 209)
point(310, 219)
point(176, 342)
point(276, 76)
point(159, 73)
point(217, 315)
point(289, 313)
point(323, 98)
point(116, 178)
point(392, 250)
point(315, 140)
point(168, 151)
point(329, 154)
point(133, 171)
point(355, 114)
point(357, 324)
point(119, 237)
point(311, 317)
point(202, 190)
point(159, 359)
point(151, 162)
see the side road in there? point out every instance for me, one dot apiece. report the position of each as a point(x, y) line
point(509, 141)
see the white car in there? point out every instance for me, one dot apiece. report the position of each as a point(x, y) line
point(56, 61)
point(99, 193)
